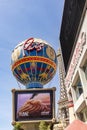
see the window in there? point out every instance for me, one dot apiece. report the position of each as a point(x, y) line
point(78, 88)
point(85, 69)
point(83, 115)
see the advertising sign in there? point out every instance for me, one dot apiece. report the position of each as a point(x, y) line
point(33, 104)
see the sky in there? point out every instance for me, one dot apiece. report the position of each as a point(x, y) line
point(19, 20)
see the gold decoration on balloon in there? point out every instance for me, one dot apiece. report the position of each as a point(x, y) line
point(50, 52)
point(43, 76)
point(23, 75)
point(33, 65)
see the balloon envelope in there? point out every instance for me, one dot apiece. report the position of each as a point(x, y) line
point(33, 62)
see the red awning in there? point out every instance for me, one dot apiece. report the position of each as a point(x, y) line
point(77, 125)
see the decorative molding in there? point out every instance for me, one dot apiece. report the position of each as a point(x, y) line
point(75, 58)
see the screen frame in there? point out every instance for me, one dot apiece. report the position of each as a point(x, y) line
point(15, 93)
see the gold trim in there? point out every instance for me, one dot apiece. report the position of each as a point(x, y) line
point(34, 59)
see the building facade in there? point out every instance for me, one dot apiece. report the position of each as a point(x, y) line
point(76, 78)
point(73, 41)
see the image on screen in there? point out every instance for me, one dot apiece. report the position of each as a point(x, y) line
point(33, 105)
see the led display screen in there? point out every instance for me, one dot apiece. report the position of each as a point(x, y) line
point(33, 105)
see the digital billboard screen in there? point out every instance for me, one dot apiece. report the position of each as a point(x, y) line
point(33, 105)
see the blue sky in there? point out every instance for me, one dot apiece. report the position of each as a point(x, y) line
point(19, 20)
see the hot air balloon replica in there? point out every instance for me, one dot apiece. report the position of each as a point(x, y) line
point(33, 63)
